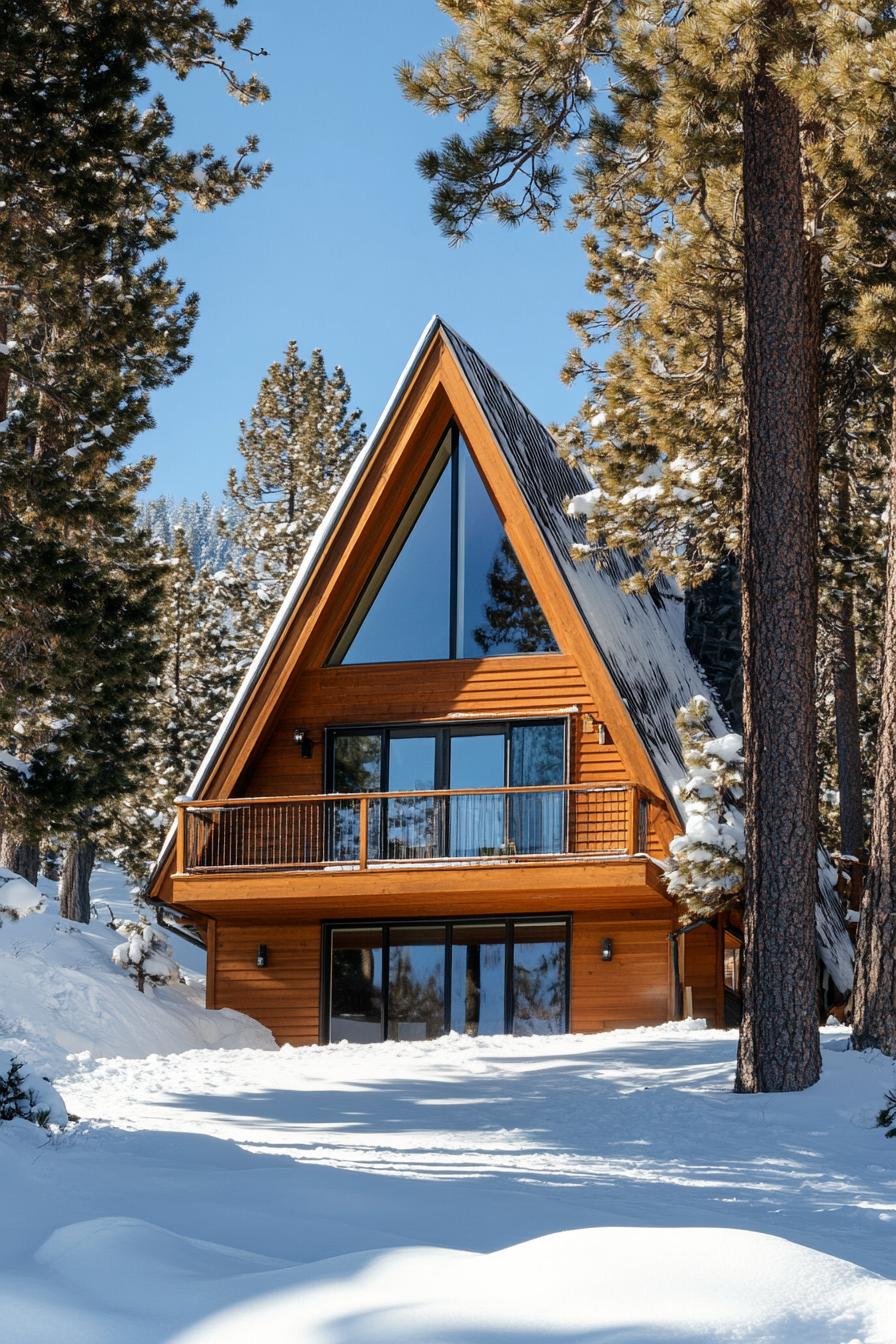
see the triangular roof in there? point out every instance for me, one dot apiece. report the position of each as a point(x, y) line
point(639, 636)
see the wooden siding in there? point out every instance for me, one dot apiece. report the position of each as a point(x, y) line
point(634, 988)
point(631, 990)
point(547, 685)
point(701, 971)
point(285, 994)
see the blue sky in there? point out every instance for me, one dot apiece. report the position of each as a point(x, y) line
point(337, 249)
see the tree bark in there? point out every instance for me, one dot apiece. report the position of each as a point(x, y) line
point(20, 855)
point(74, 884)
point(779, 1046)
point(846, 710)
point(874, 995)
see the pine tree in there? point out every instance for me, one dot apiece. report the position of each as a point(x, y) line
point(187, 700)
point(712, 100)
point(298, 443)
point(90, 324)
point(706, 870)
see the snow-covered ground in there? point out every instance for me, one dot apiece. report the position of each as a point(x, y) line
point(572, 1189)
point(61, 995)
point(602, 1188)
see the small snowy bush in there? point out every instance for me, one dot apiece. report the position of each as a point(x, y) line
point(17, 896)
point(887, 1117)
point(706, 869)
point(26, 1096)
point(145, 953)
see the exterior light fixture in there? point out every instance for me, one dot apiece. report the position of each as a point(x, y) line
point(303, 741)
point(602, 734)
point(607, 949)
point(587, 723)
point(261, 956)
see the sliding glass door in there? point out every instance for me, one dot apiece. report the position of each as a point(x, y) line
point(480, 761)
point(414, 981)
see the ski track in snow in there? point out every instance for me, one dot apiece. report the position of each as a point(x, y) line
point(354, 1182)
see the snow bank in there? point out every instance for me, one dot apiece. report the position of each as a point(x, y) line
point(62, 996)
point(606, 1283)
point(17, 896)
point(27, 1095)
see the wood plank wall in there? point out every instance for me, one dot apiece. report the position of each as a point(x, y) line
point(285, 994)
point(634, 988)
point(700, 969)
point(631, 990)
point(548, 684)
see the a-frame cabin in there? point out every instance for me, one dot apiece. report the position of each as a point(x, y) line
point(441, 797)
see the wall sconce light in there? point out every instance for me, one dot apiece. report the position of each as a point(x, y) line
point(261, 956)
point(602, 734)
point(606, 951)
point(303, 741)
point(587, 723)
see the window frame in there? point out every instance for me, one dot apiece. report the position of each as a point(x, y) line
point(442, 730)
point(391, 551)
point(561, 918)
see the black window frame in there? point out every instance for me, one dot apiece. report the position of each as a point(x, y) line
point(361, 609)
point(328, 927)
point(442, 730)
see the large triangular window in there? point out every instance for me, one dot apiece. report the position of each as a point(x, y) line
point(448, 585)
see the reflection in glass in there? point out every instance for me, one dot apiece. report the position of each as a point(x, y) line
point(405, 611)
point(416, 983)
point(537, 752)
point(498, 611)
point(477, 979)
point(356, 769)
point(412, 821)
point(476, 822)
point(356, 985)
point(539, 979)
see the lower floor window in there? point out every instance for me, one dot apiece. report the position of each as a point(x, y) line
point(411, 982)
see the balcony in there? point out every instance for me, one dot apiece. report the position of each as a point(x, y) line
point(445, 829)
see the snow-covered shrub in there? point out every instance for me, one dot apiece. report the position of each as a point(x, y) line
point(887, 1117)
point(17, 896)
point(706, 868)
point(25, 1095)
point(145, 953)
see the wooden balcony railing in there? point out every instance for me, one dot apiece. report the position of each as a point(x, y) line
point(447, 827)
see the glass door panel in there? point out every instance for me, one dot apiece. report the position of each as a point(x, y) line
point(476, 822)
point(357, 768)
point(478, 973)
point(412, 828)
point(416, 983)
point(356, 985)
point(537, 756)
point(539, 979)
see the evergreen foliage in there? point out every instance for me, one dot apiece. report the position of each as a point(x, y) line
point(17, 1099)
point(298, 443)
point(145, 954)
point(706, 869)
point(204, 525)
point(187, 699)
point(90, 325)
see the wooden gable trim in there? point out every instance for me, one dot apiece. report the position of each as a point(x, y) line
point(437, 391)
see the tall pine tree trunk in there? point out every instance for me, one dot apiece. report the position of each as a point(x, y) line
point(74, 881)
point(846, 710)
point(20, 855)
point(779, 1045)
point(874, 996)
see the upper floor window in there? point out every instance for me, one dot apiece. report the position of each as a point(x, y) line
point(448, 584)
